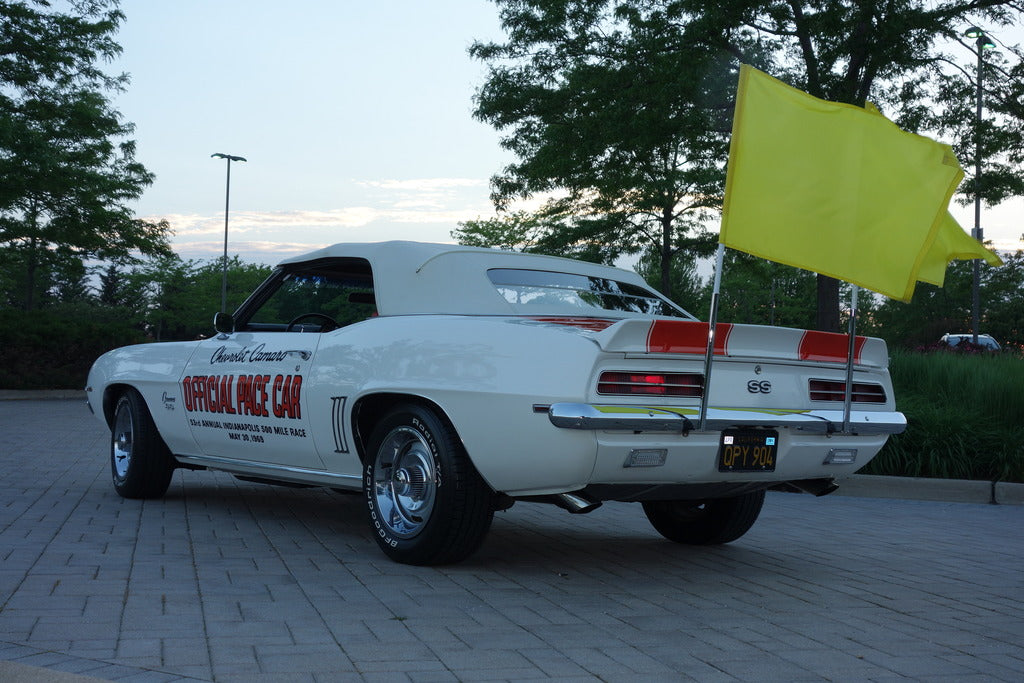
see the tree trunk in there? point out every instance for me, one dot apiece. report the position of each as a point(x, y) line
point(828, 304)
point(31, 265)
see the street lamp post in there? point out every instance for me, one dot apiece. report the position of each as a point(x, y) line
point(982, 43)
point(227, 202)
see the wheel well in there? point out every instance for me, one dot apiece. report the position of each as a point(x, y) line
point(369, 410)
point(110, 396)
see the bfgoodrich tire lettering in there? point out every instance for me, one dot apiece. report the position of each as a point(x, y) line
point(425, 501)
point(705, 522)
point(140, 464)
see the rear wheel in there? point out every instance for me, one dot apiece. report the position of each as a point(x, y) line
point(426, 502)
point(140, 463)
point(705, 522)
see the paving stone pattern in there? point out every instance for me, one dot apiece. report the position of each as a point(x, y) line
point(230, 581)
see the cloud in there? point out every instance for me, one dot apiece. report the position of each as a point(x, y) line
point(423, 184)
point(422, 209)
point(259, 251)
point(416, 201)
point(1006, 245)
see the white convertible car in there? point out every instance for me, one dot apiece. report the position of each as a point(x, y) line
point(446, 383)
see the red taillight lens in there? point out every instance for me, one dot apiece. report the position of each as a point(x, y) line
point(825, 390)
point(651, 384)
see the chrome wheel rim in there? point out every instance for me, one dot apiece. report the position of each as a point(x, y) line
point(404, 482)
point(122, 443)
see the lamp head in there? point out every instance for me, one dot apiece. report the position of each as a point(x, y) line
point(984, 42)
point(229, 157)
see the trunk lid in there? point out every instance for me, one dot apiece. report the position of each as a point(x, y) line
point(672, 338)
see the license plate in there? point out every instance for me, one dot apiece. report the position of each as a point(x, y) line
point(748, 450)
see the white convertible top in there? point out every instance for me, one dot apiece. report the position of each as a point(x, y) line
point(421, 278)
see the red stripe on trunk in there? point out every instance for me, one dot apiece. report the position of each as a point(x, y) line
point(829, 346)
point(686, 336)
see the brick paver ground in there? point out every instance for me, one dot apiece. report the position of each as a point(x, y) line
point(229, 581)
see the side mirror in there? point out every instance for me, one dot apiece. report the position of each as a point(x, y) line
point(224, 323)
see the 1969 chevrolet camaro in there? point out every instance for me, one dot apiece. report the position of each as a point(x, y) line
point(446, 383)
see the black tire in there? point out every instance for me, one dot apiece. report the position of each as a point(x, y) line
point(140, 463)
point(705, 522)
point(427, 504)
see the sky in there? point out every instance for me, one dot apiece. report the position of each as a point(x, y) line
point(354, 117)
point(355, 120)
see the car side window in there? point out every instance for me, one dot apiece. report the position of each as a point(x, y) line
point(317, 297)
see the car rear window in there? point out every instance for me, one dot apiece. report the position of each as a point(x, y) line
point(543, 291)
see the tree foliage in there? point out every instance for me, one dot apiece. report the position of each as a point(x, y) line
point(614, 116)
point(68, 166)
point(511, 231)
point(934, 311)
point(86, 312)
point(756, 291)
point(623, 105)
point(180, 296)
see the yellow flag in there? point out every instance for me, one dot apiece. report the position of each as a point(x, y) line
point(836, 189)
point(952, 243)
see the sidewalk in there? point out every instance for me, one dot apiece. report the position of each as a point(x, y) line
point(230, 581)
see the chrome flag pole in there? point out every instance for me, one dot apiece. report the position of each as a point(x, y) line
point(712, 321)
point(848, 394)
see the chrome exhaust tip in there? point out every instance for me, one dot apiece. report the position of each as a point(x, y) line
point(816, 487)
point(575, 503)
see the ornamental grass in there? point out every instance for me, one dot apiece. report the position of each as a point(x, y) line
point(965, 415)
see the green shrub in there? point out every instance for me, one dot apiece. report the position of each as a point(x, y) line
point(53, 348)
point(965, 417)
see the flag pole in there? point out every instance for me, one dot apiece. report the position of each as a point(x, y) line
point(712, 321)
point(848, 392)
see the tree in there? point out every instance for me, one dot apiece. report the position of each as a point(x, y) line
point(608, 107)
point(515, 231)
point(935, 311)
point(686, 287)
point(622, 103)
point(182, 296)
point(67, 164)
point(1002, 290)
point(756, 291)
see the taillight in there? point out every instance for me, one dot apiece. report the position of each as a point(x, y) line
point(651, 384)
point(826, 390)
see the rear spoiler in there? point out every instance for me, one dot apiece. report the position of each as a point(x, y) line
point(758, 342)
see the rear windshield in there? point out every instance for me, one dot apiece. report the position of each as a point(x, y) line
point(545, 292)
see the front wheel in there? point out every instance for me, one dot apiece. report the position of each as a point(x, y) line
point(427, 504)
point(140, 463)
point(705, 522)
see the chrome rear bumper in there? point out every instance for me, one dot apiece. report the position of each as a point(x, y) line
point(664, 419)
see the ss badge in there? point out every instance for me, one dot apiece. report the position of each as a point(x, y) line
point(759, 386)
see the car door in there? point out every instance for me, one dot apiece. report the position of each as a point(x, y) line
point(244, 397)
point(247, 392)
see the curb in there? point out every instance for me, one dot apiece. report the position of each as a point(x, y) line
point(1009, 494)
point(16, 672)
point(41, 394)
point(945, 490)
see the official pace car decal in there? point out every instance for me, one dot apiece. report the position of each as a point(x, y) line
point(261, 396)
